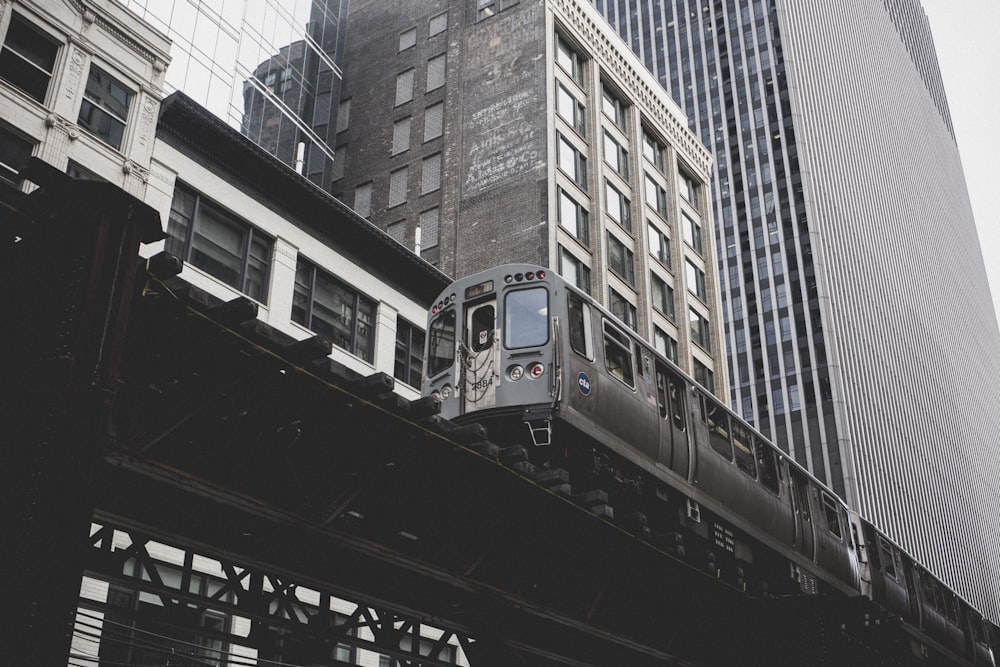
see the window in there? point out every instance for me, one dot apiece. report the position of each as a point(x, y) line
point(743, 446)
point(407, 39)
point(331, 308)
point(831, 511)
point(401, 136)
point(363, 200)
point(615, 155)
point(441, 350)
point(688, 187)
point(573, 270)
point(430, 174)
point(768, 467)
point(618, 206)
point(659, 245)
point(717, 421)
point(621, 260)
point(570, 109)
point(573, 218)
point(429, 229)
point(704, 376)
point(618, 354)
point(409, 353)
point(436, 72)
point(14, 152)
point(27, 58)
point(613, 107)
point(397, 231)
point(580, 336)
point(213, 240)
point(569, 59)
point(621, 308)
point(700, 333)
point(398, 183)
point(104, 110)
point(665, 345)
point(434, 121)
point(652, 150)
point(663, 297)
point(572, 161)
point(696, 281)
point(438, 24)
point(526, 318)
point(404, 87)
point(344, 115)
point(656, 196)
point(692, 233)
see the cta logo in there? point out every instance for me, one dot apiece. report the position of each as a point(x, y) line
point(583, 381)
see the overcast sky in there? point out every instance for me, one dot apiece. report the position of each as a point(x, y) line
point(967, 38)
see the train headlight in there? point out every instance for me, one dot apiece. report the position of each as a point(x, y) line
point(515, 372)
point(536, 370)
point(446, 392)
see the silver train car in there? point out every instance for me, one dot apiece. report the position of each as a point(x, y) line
point(543, 366)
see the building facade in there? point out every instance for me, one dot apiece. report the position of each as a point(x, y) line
point(524, 131)
point(858, 321)
point(270, 68)
point(80, 88)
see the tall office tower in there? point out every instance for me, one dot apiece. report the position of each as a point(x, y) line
point(525, 131)
point(270, 68)
point(858, 321)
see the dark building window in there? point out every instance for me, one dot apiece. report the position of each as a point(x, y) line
point(323, 304)
point(621, 308)
point(618, 206)
point(703, 376)
point(688, 188)
point(27, 58)
point(409, 353)
point(105, 107)
point(696, 281)
point(659, 246)
point(692, 233)
point(652, 150)
point(217, 242)
point(14, 152)
point(665, 345)
point(621, 260)
point(663, 297)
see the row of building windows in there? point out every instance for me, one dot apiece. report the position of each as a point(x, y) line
point(232, 251)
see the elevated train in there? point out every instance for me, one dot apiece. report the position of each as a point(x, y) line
point(541, 364)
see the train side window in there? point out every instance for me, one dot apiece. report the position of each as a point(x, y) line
point(661, 393)
point(678, 402)
point(618, 355)
point(743, 446)
point(441, 343)
point(526, 318)
point(887, 557)
point(580, 328)
point(718, 427)
point(831, 510)
point(768, 467)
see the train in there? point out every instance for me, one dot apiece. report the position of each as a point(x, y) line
point(542, 365)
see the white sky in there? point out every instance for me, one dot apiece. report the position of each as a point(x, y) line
point(967, 38)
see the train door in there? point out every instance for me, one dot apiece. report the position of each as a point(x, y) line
point(804, 538)
point(672, 401)
point(479, 357)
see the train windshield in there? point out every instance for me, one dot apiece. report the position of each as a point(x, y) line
point(526, 318)
point(441, 343)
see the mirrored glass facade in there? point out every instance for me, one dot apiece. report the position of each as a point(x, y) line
point(858, 319)
point(268, 67)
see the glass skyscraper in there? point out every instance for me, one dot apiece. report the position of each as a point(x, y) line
point(859, 326)
point(271, 68)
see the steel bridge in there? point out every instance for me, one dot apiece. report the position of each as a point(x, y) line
point(141, 413)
